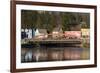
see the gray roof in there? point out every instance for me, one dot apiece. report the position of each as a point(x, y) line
point(58, 29)
point(42, 31)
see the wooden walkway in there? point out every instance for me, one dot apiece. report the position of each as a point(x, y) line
point(71, 41)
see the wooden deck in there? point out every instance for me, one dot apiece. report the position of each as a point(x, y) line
point(71, 41)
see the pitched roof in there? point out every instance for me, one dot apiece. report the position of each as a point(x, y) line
point(57, 29)
point(42, 31)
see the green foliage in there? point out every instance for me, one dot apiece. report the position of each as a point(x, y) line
point(65, 23)
point(28, 18)
point(68, 20)
point(49, 19)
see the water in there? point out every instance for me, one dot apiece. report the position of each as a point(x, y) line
point(53, 53)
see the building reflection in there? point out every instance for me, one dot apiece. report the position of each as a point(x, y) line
point(54, 54)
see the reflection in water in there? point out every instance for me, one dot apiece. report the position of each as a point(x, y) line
point(54, 54)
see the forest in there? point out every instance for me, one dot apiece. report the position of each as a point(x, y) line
point(52, 19)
